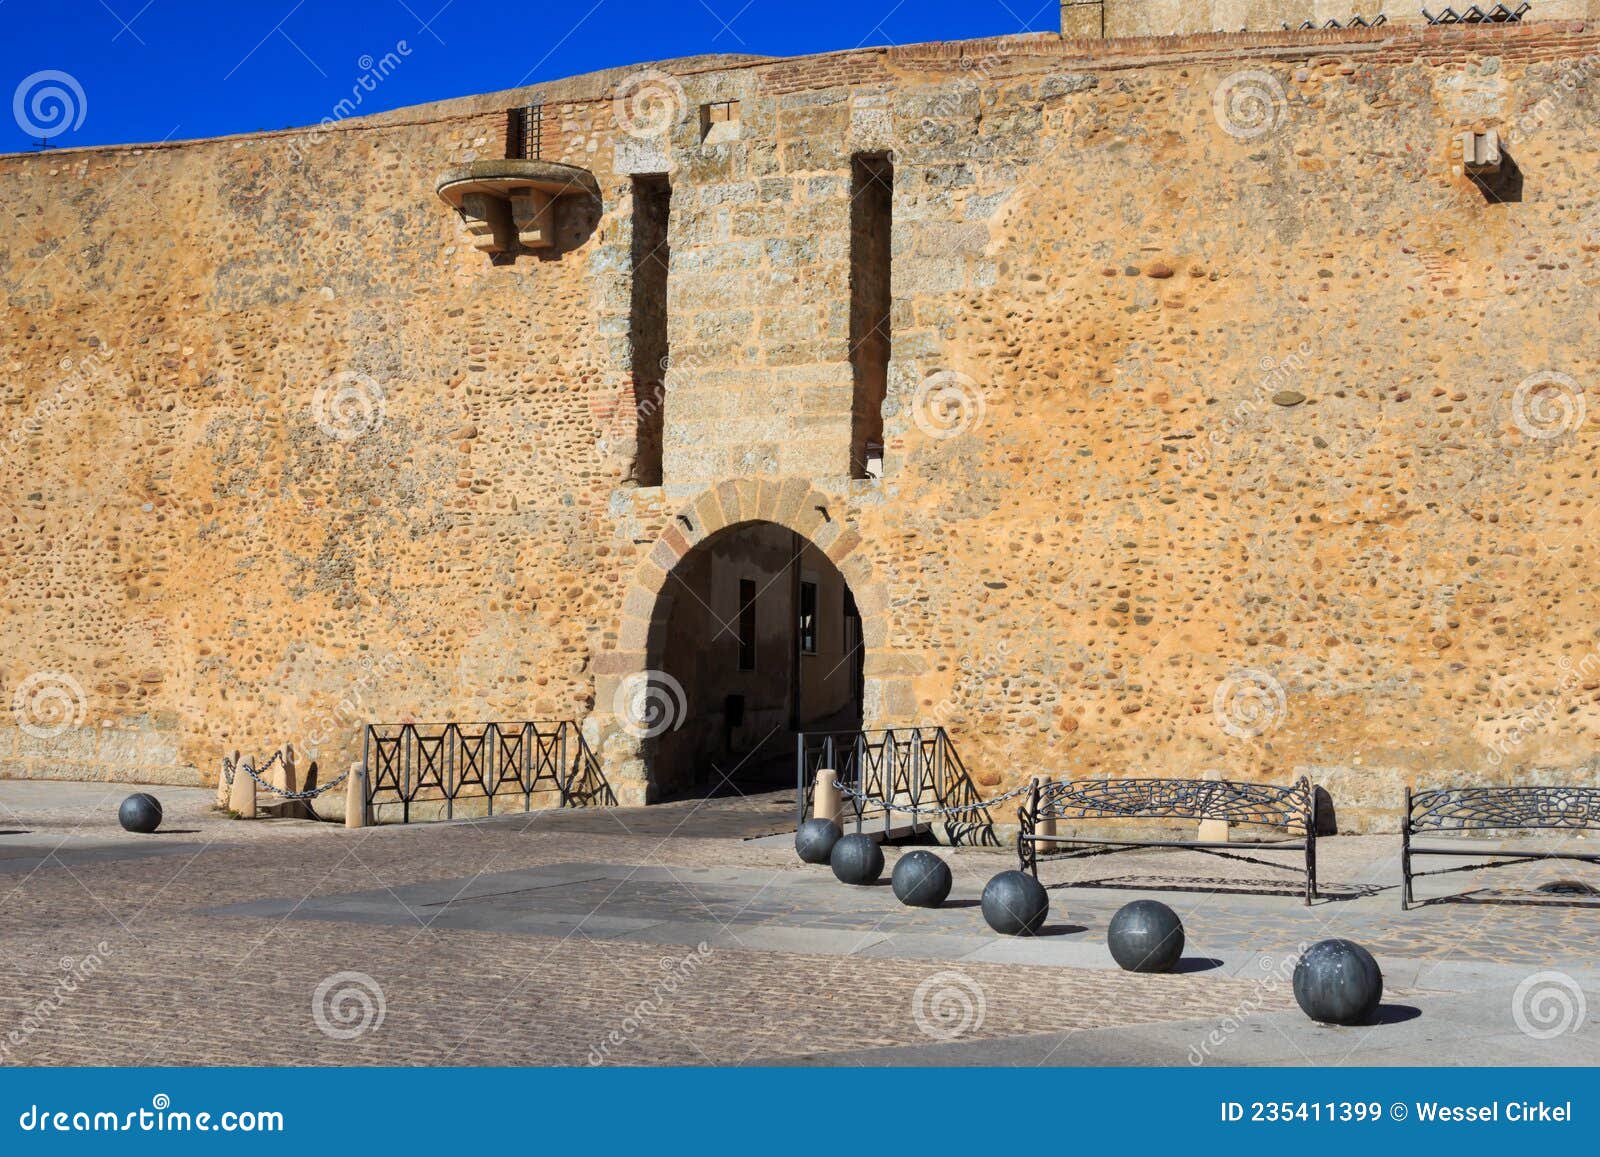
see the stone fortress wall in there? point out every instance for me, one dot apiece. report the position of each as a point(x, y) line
point(1231, 426)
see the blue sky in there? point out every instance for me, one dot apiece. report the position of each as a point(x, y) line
point(151, 70)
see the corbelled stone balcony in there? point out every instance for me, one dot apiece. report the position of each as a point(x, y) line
point(509, 206)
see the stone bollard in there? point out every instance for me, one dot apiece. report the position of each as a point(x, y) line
point(242, 800)
point(1213, 831)
point(897, 816)
point(224, 788)
point(289, 779)
point(355, 797)
point(1046, 826)
point(825, 803)
point(285, 778)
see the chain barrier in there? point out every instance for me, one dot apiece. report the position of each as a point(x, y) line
point(229, 770)
point(918, 809)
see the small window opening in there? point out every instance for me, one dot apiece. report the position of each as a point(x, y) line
point(524, 128)
point(647, 323)
point(871, 224)
point(808, 618)
point(747, 624)
point(719, 121)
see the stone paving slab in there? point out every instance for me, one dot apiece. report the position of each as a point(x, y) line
point(244, 991)
point(509, 942)
point(769, 814)
point(23, 855)
point(1461, 1029)
point(805, 909)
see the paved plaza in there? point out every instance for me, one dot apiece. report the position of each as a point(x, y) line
point(688, 933)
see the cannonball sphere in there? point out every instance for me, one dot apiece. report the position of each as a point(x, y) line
point(1145, 936)
point(815, 839)
point(140, 813)
point(856, 859)
point(1015, 903)
point(921, 880)
point(1338, 982)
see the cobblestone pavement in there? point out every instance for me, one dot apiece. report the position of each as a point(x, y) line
point(575, 938)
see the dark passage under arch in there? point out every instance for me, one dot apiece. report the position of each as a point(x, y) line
point(758, 636)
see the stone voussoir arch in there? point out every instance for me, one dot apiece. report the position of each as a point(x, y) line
point(793, 503)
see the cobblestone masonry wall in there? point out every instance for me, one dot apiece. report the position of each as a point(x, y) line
point(1231, 427)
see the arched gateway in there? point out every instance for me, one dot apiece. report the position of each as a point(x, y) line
point(752, 618)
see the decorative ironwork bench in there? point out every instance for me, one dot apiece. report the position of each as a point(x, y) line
point(1482, 809)
point(1293, 808)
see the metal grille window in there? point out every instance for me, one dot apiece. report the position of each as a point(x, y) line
point(524, 126)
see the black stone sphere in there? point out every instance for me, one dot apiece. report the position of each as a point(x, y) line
point(1015, 903)
point(815, 839)
point(1145, 936)
point(1338, 982)
point(140, 813)
point(857, 859)
point(921, 880)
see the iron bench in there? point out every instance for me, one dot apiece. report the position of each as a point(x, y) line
point(1263, 805)
point(1469, 809)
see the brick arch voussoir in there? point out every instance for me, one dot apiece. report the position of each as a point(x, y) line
point(741, 500)
point(791, 503)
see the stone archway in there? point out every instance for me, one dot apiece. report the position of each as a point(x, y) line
point(626, 748)
point(755, 639)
